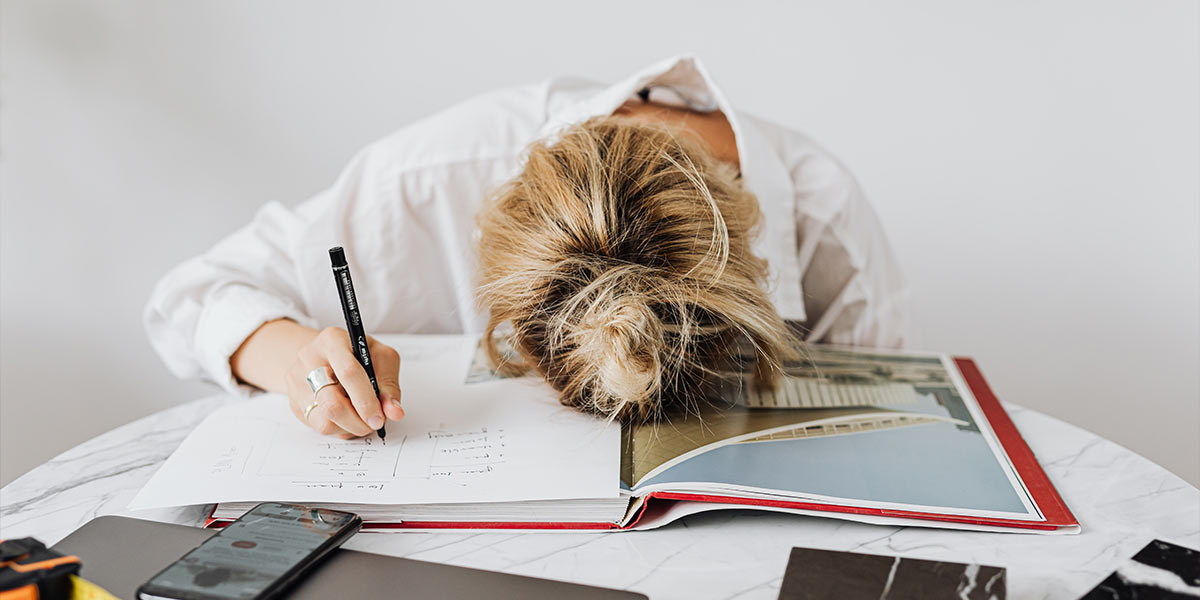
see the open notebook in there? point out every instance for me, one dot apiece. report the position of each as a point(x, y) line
point(871, 436)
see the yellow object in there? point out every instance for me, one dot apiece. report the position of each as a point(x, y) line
point(86, 590)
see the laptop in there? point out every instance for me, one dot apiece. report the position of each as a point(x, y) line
point(120, 553)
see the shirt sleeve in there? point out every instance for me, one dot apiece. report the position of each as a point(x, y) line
point(202, 310)
point(854, 291)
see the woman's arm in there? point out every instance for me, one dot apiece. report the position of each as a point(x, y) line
point(237, 314)
point(264, 358)
point(203, 309)
point(241, 313)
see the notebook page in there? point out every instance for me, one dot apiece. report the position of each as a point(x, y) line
point(496, 441)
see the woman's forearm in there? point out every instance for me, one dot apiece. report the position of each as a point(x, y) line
point(263, 359)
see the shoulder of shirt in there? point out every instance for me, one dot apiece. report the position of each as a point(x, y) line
point(491, 126)
point(798, 151)
point(823, 184)
point(496, 125)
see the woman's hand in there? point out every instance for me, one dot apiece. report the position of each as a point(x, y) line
point(347, 409)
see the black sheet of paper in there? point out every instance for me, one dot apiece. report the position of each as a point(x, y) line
point(1160, 571)
point(827, 574)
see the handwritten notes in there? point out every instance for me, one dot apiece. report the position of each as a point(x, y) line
point(467, 453)
point(506, 440)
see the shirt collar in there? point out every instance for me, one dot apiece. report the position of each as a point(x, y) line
point(763, 172)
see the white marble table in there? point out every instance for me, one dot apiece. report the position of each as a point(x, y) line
point(1121, 499)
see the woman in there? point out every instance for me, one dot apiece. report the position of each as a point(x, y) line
point(626, 234)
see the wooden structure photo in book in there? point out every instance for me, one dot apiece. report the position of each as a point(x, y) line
point(854, 428)
point(651, 448)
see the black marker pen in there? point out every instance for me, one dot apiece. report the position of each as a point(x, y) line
point(358, 337)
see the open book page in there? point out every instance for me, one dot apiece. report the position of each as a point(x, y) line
point(501, 440)
point(930, 450)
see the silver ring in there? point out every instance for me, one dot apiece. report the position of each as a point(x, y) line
point(309, 409)
point(320, 378)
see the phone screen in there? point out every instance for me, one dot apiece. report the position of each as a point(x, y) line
point(249, 555)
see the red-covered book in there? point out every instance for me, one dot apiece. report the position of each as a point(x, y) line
point(885, 437)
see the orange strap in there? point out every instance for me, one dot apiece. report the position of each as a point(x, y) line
point(29, 592)
point(45, 564)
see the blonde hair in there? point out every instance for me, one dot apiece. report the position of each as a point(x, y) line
point(621, 257)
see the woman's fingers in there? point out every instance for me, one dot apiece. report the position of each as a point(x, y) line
point(333, 414)
point(336, 414)
point(300, 398)
point(358, 388)
point(352, 377)
point(387, 375)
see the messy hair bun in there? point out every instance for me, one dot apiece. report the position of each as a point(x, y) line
point(621, 258)
point(619, 339)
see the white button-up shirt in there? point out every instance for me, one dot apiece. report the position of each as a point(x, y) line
point(404, 211)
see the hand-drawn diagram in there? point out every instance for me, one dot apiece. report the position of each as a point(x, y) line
point(368, 463)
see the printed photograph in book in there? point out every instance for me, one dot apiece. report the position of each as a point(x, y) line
point(480, 370)
point(877, 427)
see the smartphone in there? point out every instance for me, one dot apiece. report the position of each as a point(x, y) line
point(257, 556)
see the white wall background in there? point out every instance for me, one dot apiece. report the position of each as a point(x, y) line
point(1037, 165)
